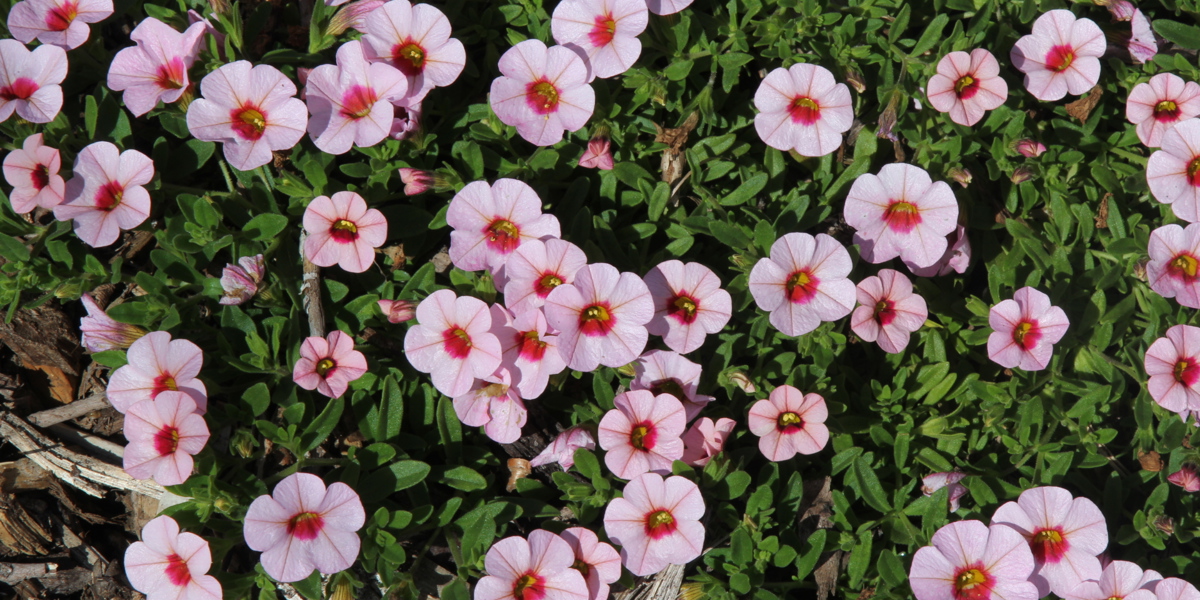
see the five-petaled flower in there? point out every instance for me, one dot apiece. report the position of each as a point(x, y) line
point(601, 317)
point(1156, 106)
point(343, 231)
point(705, 439)
point(542, 91)
point(33, 173)
point(789, 422)
point(29, 81)
point(888, 311)
point(414, 38)
point(656, 523)
point(598, 562)
point(530, 350)
point(642, 434)
point(169, 565)
point(494, 404)
point(453, 342)
point(1066, 535)
point(535, 268)
point(351, 102)
point(61, 23)
point(106, 196)
point(1174, 171)
point(689, 304)
point(901, 212)
point(803, 108)
point(163, 435)
point(1173, 364)
point(803, 282)
point(967, 86)
point(1061, 55)
point(329, 364)
point(604, 31)
point(533, 569)
point(157, 67)
point(1175, 262)
point(490, 222)
point(664, 372)
point(1025, 329)
point(1120, 580)
point(971, 561)
point(156, 364)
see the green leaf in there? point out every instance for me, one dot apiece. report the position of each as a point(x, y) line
point(932, 35)
point(391, 410)
point(258, 398)
point(114, 359)
point(463, 478)
point(587, 464)
point(265, 227)
point(729, 235)
point(741, 547)
point(892, 569)
point(746, 191)
point(13, 249)
point(869, 486)
point(319, 429)
point(1187, 36)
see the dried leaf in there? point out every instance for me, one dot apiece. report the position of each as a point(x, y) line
point(673, 162)
point(1151, 461)
point(826, 575)
point(1082, 108)
point(1102, 212)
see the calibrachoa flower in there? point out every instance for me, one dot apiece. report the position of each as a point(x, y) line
point(901, 212)
point(157, 68)
point(889, 311)
point(61, 23)
point(1174, 172)
point(667, 7)
point(493, 403)
point(656, 523)
point(351, 102)
point(971, 561)
point(1120, 580)
point(169, 565)
point(398, 311)
point(528, 349)
point(1174, 261)
point(1156, 106)
point(1174, 588)
point(967, 86)
point(491, 221)
point(251, 111)
point(1186, 478)
point(106, 196)
point(598, 562)
point(1062, 55)
point(542, 91)
point(957, 257)
point(406, 120)
point(101, 332)
point(789, 422)
point(29, 81)
point(33, 173)
point(1173, 364)
point(156, 364)
point(598, 154)
point(536, 268)
point(416, 40)
point(562, 449)
point(163, 435)
point(664, 372)
point(642, 433)
point(302, 526)
point(329, 364)
point(688, 304)
point(352, 17)
point(1029, 148)
point(1066, 536)
point(605, 31)
point(343, 231)
point(240, 281)
point(453, 342)
point(802, 108)
point(803, 282)
point(601, 317)
point(705, 439)
point(417, 181)
point(936, 481)
point(530, 570)
point(1142, 44)
point(1025, 329)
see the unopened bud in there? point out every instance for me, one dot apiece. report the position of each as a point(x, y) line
point(855, 79)
point(398, 311)
point(418, 181)
point(351, 15)
point(101, 332)
point(1022, 174)
point(959, 175)
point(887, 120)
point(1029, 148)
point(739, 379)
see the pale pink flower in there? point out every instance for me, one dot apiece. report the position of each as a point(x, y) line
point(901, 212)
point(416, 40)
point(354, 16)
point(351, 102)
point(157, 68)
point(329, 364)
point(542, 91)
point(705, 439)
point(1142, 44)
point(398, 311)
point(406, 120)
point(664, 372)
point(169, 565)
point(803, 108)
point(967, 86)
point(29, 80)
point(1156, 106)
point(562, 449)
point(1186, 478)
point(158, 364)
point(1120, 580)
point(1066, 536)
point(240, 282)
point(101, 332)
point(957, 257)
point(529, 350)
point(1025, 329)
point(604, 31)
point(1029, 148)
point(803, 282)
point(789, 422)
point(538, 568)
point(491, 221)
point(598, 154)
point(417, 181)
point(106, 196)
point(343, 231)
point(163, 435)
point(1174, 262)
point(1174, 588)
point(33, 173)
point(1062, 55)
point(494, 404)
point(936, 481)
point(1173, 364)
point(302, 526)
point(62, 23)
point(642, 434)
point(888, 311)
point(536, 268)
point(453, 342)
point(601, 317)
point(971, 561)
point(656, 523)
point(667, 7)
point(251, 111)
point(598, 562)
point(1174, 171)
point(689, 304)
point(1121, 10)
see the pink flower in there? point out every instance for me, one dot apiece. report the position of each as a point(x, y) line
point(490, 222)
point(302, 526)
point(163, 435)
point(417, 181)
point(354, 16)
point(33, 173)
point(1142, 45)
point(406, 120)
point(542, 91)
point(1173, 364)
point(1062, 55)
point(803, 282)
point(158, 364)
point(803, 108)
point(562, 449)
point(1174, 172)
point(240, 281)
point(1174, 588)
point(168, 565)
point(329, 364)
point(101, 332)
point(1121, 10)
point(493, 403)
point(656, 523)
point(251, 111)
point(688, 304)
point(598, 155)
point(789, 422)
point(531, 570)
point(971, 561)
point(351, 102)
point(157, 68)
point(62, 23)
point(664, 372)
point(936, 481)
point(1120, 579)
point(667, 7)
point(901, 212)
point(106, 195)
point(889, 311)
point(705, 439)
point(1157, 106)
point(604, 31)
point(536, 268)
point(1186, 478)
point(601, 317)
point(1029, 148)
point(642, 433)
point(452, 342)
point(967, 86)
point(1025, 330)
point(1174, 261)
point(398, 311)
point(29, 81)
point(416, 40)
point(598, 562)
point(528, 349)
point(1065, 534)
point(957, 257)
point(343, 231)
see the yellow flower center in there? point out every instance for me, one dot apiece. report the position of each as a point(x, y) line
point(324, 366)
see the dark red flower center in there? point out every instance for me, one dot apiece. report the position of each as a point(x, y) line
point(409, 57)
point(1193, 171)
point(1026, 334)
point(603, 31)
point(177, 570)
point(170, 76)
point(1166, 111)
point(532, 347)
point(1059, 58)
point(109, 196)
point(343, 231)
point(503, 236)
point(885, 311)
point(1049, 545)
point(248, 121)
point(1187, 371)
point(163, 383)
point(902, 216)
point(966, 87)
point(21, 89)
point(40, 175)
point(789, 422)
point(358, 102)
point(324, 366)
point(1183, 266)
point(801, 286)
point(529, 586)
point(542, 97)
point(456, 341)
point(660, 523)
point(683, 307)
point(596, 319)
point(60, 17)
point(166, 440)
point(804, 110)
point(973, 582)
point(548, 281)
point(305, 526)
point(643, 436)
point(670, 386)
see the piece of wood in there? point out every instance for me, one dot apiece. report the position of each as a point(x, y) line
point(310, 294)
point(45, 339)
point(11, 573)
point(23, 475)
point(70, 411)
point(20, 533)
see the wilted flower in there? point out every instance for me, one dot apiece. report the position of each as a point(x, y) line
point(251, 111)
point(562, 449)
point(29, 82)
point(936, 481)
point(705, 439)
point(1022, 174)
point(656, 523)
point(598, 155)
point(163, 435)
point(343, 231)
point(169, 565)
point(1025, 329)
point(803, 282)
point(240, 281)
point(62, 23)
point(101, 332)
point(398, 311)
point(1029, 148)
point(1066, 535)
point(960, 175)
point(1186, 478)
point(971, 561)
point(157, 68)
point(352, 16)
point(1062, 55)
point(542, 91)
point(803, 108)
point(1142, 44)
point(329, 364)
point(33, 173)
point(106, 195)
point(406, 120)
point(789, 422)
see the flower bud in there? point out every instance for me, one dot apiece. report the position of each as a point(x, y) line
point(1022, 174)
point(1029, 148)
point(855, 79)
point(418, 181)
point(739, 379)
point(959, 175)
point(240, 281)
point(398, 311)
point(351, 15)
point(101, 332)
